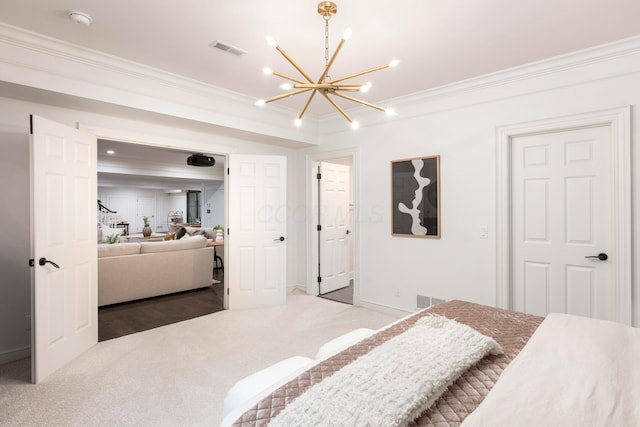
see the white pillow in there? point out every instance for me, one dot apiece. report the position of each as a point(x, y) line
point(254, 384)
point(108, 231)
point(342, 342)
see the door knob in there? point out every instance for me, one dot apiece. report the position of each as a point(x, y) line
point(43, 261)
point(600, 256)
point(279, 239)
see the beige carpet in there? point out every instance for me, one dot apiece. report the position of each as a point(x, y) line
point(176, 375)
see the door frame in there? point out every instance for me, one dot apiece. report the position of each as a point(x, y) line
point(311, 217)
point(155, 140)
point(619, 122)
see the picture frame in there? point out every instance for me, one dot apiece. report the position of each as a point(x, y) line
point(415, 197)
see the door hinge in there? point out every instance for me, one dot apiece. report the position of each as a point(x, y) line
point(227, 171)
point(32, 262)
point(227, 291)
point(319, 176)
point(319, 228)
point(319, 279)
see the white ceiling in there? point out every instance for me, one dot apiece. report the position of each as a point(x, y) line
point(437, 41)
point(158, 168)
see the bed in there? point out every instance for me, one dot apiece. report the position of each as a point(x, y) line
point(558, 370)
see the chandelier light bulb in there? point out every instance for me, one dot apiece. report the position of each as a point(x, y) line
point(394, 63)
point(271, 41)
point(286, 86)
point(267, 70)
point(390, 112)
point(355, 125)
point(365, 87)
point(298, 122)
point(346, 34)
point(260, 103)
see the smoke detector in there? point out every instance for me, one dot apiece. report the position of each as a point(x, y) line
point(80, 18)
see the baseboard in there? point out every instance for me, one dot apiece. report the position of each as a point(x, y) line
point(15, 354)
point(293, 288)
point(393, 311)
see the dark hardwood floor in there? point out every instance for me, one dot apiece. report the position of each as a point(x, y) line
point(130, 317)
point(343, 295)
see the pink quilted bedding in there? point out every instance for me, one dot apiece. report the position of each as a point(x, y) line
point(510, 329)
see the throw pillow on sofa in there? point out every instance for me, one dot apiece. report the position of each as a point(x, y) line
point(108, 233)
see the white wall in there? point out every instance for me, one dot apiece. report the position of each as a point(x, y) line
point(460, 265)
point(123, 200)
point(213, 205)
point(14, 203)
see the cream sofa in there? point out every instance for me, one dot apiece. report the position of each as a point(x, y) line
point(131, 271)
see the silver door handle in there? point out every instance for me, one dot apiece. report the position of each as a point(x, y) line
point(600, 256)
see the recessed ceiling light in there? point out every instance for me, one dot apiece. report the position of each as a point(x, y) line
point(111, 152)
point(80, 18)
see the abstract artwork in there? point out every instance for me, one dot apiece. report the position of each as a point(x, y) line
point(415, 197)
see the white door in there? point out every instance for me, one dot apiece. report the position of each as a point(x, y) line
point(63, 238)
point(257, 226)
point(145, 206)
point(561, 219)
point(334, 231)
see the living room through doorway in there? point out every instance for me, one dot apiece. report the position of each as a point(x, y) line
point(159, 179)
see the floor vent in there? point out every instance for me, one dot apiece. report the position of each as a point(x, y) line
point(228, 48)
point(425, 302)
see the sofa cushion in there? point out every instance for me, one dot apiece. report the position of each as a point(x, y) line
point(173, 245)
point(118, 249)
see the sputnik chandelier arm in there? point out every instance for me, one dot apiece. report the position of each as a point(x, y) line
point(325, 85)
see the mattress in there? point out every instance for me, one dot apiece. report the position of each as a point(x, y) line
point(510, 329)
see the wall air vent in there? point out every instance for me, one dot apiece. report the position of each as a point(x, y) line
point(228, 48)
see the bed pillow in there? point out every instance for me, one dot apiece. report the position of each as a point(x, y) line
point(342, 342)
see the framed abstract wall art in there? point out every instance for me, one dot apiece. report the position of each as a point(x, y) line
point(415, 197)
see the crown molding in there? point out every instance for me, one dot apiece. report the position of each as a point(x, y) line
point(587, 65)
point(38, 61)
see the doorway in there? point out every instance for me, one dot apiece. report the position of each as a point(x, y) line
point(547, 170)
point(137, 181)
point(334, 229)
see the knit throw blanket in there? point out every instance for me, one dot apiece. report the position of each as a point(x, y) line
point(396, 381)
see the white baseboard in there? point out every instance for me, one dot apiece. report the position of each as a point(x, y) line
point(15, 354)
point(393, 311)
point(292, 288)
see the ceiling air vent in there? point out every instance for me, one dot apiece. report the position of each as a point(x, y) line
point(228, 48)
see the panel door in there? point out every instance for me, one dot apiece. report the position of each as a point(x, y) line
point(334, 217)
point(257, 231)
point(561, 218)
point(63, 211)
point(146, 206)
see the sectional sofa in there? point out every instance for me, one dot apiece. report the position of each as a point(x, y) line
point(131, 271)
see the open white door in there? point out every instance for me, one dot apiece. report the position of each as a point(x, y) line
point(63, 245)
point(257, 231)
point(334, 214)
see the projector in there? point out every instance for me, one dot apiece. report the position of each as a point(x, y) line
point(200, 160)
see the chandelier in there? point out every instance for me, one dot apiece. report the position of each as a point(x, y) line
point(325, 85)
